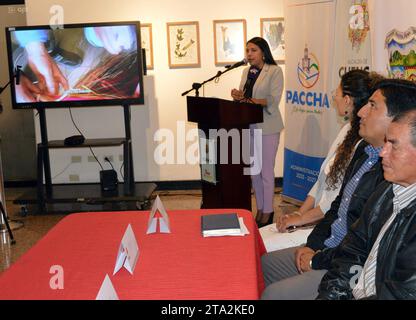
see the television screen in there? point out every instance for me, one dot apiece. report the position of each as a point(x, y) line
point(75, 65)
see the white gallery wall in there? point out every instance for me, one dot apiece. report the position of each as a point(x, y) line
point(164, 106)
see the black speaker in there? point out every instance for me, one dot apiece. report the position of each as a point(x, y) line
point(108, 180)
point(74, 140)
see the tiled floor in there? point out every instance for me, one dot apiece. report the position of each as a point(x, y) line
point(35, 226)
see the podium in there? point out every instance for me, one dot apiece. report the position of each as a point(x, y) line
point(228, 187)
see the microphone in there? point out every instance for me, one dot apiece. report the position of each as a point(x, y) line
point(237, 64)
point(17, 74)
point(251, 76)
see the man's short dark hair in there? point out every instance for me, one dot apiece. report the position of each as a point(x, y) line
point(400, 95)
point(408, 117)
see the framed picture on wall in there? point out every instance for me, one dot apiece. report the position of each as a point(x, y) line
point(147, 43)
point(273, 31)
point(229, 41)
point(183, 44)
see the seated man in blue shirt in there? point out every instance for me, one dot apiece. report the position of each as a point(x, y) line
point(295, 273)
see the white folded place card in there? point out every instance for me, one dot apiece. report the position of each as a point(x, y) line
point(164, 225)
point(243, 227)
point(128, 252)
point(152, 226)
point(107, 291)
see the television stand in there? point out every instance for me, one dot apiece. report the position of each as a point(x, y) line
point(46, 193)
point(65, 198)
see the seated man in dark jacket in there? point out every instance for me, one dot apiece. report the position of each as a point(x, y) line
point(377, 259)
point(295, 273)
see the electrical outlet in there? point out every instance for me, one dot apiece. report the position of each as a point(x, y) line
point(120, 158)
point(74, 178)
point(76, 159)
point(111, 158)
point(91, 159)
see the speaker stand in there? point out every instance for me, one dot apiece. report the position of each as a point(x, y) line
point(5, 226)
point(6, 222)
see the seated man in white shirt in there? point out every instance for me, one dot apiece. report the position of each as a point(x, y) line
point(380, 249)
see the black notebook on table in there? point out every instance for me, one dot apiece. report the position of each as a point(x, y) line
point(220, 224)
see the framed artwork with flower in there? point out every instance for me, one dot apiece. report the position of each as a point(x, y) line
point(183, 44)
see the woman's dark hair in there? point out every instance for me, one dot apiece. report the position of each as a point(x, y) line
point(359, 85)
point(264, 47)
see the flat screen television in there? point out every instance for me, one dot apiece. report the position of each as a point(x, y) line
point(90, 64)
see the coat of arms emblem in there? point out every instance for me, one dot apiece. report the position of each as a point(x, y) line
point(401, 48)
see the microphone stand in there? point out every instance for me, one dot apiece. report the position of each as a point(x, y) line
point(3, 88)
point(16, 75)
point(196, 86)
point(5, 225)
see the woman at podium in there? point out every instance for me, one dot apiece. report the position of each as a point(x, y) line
point(262, 83)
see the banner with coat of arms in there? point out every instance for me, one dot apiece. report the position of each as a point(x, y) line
point(394, 38)
point(352, 39)
point(308, 116)
point(352, 47)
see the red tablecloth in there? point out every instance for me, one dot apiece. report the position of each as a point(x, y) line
point(180, 265)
